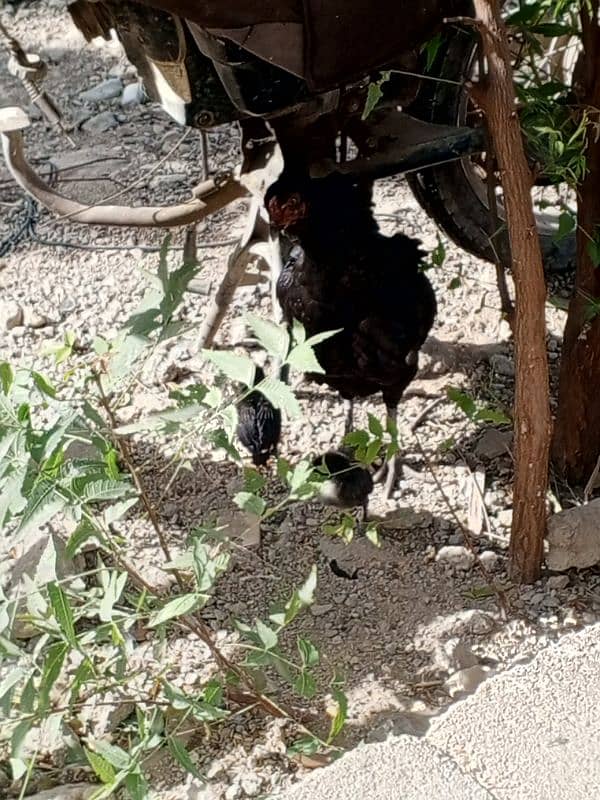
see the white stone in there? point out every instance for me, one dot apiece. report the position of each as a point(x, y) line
point(456, 557)
point(574, 538)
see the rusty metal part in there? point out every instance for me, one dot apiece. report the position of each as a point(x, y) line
point(209, 196)
point(262, 164)
point(392, 142)
point(31, 70)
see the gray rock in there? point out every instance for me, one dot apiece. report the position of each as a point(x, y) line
point(505, 517)
point(32, 319)
point(74, 791)
point(106, 90)
point(100, 123)
point(133, 95)
point(574, 538)
point(466, 680)
point(557, 582)
point(489, 559)
point(400, 723)
point(456, 557)
point(320, 610)
point(503, 365)
point(454, 656)
point(493, 444)
point(11, 315)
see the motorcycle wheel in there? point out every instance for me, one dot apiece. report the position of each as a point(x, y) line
point(454, 194)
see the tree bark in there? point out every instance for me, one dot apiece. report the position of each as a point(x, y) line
point(532, 420)
point(576, 445)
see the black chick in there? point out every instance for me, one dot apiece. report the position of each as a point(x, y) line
point(259, 424)
point(348, 484)
point(341, 272)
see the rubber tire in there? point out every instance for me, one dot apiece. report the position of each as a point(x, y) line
point(444, 192)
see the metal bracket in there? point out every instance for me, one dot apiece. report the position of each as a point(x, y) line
point(209, 196)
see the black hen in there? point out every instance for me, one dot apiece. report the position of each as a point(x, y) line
point(259, 424)
point(341, 272)
point(348, 484)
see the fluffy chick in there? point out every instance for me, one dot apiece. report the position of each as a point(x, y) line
point(348, 484)
point(259, 424)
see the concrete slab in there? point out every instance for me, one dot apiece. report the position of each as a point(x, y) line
point(403, 768)
point(533, 732)
point(530, 733)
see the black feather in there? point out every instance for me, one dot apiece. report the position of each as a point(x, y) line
point(259, 424)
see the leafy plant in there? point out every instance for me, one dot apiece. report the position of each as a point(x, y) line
point(66, 463)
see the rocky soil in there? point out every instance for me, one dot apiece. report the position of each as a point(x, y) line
point(414, 628)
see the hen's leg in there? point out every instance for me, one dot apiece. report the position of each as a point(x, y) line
point(348, 416)
point(393, 465)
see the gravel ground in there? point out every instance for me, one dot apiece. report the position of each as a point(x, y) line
point(392, 630)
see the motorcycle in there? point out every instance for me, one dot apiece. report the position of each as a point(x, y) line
point(353, 87)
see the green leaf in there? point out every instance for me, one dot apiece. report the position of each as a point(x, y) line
point(28, 697)
point(372, 534)
point(306, 593)
point(50, 672)
point(235, 367)
point(454, 284)
point(303, 358)
point(10, 681)
point(321, 337)
point(177, 607)
point(95, 491)
point(464, 401)
point(250, 502)
point(82, 533)
point(7, 377)
point(375, 426)
point(339, 720)
point(253, 480)
point(438, 256)
point(181, 755)
point(19, 734)
point(374, 94)
point(83, 673)
point(43, 384)
point(137, 786)
point(493, 416)
point(305, 685)
point(102, 768)
point(593, 250)
point(272, 337)
point(431, 50)
point(308, 652)
point(280, 395)
point(112, 592)
point(42, 505)
point(112, 754)
point(267, 635)
point(566, 226)
point(62, 611)
point(18, 768)
point(306, 746)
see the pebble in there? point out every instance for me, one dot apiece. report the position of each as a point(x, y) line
point(557, 582)
point(320, 610)
point(489, 559)
point(107, 90)
point(11, 315)
point(466, 680)
point(456, 557)
point(133, 94)
point(503, 365)
point(504, 517)
point(32, 319)
point(100, 123)
point(493, 444)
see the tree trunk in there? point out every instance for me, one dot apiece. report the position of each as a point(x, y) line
point(532, 419)
point(576, 445)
